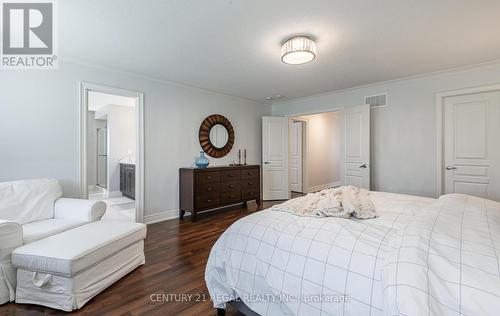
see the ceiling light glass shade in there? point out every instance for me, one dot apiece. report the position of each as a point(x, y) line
point(298, 50)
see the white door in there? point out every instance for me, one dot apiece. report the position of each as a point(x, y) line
point(295, 156)
point(357, 146)
point(275, 158)
point(472, 145)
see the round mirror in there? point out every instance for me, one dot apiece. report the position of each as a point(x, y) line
point(219, 136)
point(216, 136)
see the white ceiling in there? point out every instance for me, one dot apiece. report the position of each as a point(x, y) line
point(233, 46)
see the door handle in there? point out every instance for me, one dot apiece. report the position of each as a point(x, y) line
point(364, 166)
point(451, 168)
point(267, 163)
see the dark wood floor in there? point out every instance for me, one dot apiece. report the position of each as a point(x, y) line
point(176, 255)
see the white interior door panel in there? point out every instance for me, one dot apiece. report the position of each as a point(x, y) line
point(357, 146)
point(295, 156)
point(275, 158)
point(471, 145)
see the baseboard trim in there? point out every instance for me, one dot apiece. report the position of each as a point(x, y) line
point(160, 217)
point(317, 188)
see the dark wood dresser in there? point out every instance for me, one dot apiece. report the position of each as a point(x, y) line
point(214, 187)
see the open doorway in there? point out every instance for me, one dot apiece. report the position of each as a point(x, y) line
point(315, 161)
point(112, 150)
point(350, 138)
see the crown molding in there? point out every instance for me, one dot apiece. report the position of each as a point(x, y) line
point(491, 63)
point(83, 63)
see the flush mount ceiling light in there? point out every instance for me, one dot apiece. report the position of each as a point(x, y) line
point(298, 50)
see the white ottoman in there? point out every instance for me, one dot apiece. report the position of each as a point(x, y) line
point(66, 270)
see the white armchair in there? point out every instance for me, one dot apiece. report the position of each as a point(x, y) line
point(77, 209)
point(31, 210)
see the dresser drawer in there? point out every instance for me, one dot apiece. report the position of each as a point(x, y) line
point(250, 173)
point(231, 196)
point(207, 200)
point(230, 186)
point(230, 175)
point(250, 184)
point(128, 167)
point(249, 194)
point(202, 190)
point(207, 188)
point(208, 177)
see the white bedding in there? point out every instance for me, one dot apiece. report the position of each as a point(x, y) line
point(345, 202)
point(282, 264)
point(446, 260)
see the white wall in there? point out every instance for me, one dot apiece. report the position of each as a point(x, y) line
point(39, 127)
point(403, 134)
point(323, 150)
point(121, 140)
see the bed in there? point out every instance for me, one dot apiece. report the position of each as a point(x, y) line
point(276, 263)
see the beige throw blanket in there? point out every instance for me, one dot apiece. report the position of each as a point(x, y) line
point(338, 202)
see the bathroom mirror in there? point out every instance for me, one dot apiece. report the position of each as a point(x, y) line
point(216, 136)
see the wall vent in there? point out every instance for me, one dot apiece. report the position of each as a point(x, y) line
point(376, 101)
point(275, 97)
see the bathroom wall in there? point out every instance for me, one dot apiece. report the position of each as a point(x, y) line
point(323, 150)
point(121, 140)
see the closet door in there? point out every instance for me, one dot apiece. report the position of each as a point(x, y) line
point(471, 145)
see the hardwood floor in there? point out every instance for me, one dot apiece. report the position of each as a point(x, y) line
point(176, 255)
point(296, 194)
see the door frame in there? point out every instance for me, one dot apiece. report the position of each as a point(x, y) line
point(440, 96)
point(85, 87)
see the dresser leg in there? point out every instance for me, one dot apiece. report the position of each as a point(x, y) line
point(258, 201)
point(221, 312)
point(182, 214)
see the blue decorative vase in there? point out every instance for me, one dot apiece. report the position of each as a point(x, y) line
point(202, 161)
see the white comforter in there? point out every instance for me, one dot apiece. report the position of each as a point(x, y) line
point(446, 260)
point(282, 264)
